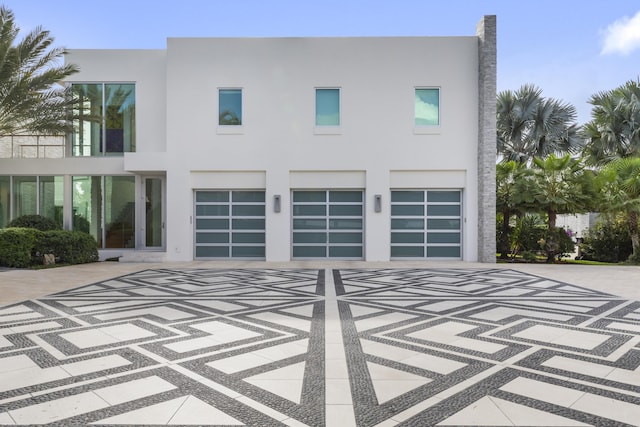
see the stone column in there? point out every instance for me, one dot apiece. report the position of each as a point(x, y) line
point(486, 32)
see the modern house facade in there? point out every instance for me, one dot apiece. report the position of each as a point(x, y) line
point(371, 148)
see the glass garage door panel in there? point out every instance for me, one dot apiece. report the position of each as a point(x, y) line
point(328, 224)
point(426, 224)
point(230, 224)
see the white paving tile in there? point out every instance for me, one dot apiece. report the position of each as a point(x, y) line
point(482, 412)
point(500, 313)
point(159, 413)
point(58, 409)
point(233, 364)
point(437, 364)
point(340, 415)
point(579, 366)
point(281, 319)
point(540, 390)
point(338, 392)
point(287, 389)
point(521, 415)
point(15, 379)
point(196, 412)
point(216, 305)
point(14, 363)
point(5, 419)
point(94, 365)
point(132, 390)
point(445, 305)
point(34, 327)
point(167, 313)
point(383, 320)
point(193, 344)
point(609, 408)
point(561, 336)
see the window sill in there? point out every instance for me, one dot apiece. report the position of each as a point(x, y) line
point(230, 130)
point(327, 130)
point(427, 130)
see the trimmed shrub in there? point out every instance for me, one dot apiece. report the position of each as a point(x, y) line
point(607, 241)
point(18, 245)
point(72, 247)
point(38, 222)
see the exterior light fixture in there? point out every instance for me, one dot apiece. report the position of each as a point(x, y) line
point(377, 203)
point(276, 203)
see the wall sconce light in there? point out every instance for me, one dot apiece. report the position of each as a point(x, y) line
point(377, 203)
point(276, 203)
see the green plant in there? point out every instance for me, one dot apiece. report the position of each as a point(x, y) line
point(557, 244)
point(17, 246)
point(607, 241)
point(38, 222)
point(529, 256)
point(72, 247)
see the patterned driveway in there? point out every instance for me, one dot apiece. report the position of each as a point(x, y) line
point(316, 347)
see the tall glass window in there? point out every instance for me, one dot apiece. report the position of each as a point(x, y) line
point(427, 107)
point(5, 200)
point(87, 205)
point(230, 107)
point(25, 195)
point(327, 107)
point(51, 197)
point(104, 119)
point(105, 208)
point(120, 211)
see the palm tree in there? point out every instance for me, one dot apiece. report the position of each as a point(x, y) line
point(614, 130)
point(558, 185)
point(31, 98)
point(529, 125)
point(508, 201)
point(620, 184)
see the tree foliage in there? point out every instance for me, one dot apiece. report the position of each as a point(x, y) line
point(619, 184)
point(31, 97)
point(614, 130)
point(529, 125)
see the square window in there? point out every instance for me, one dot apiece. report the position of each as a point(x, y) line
point(230, 107)
point(427, 107)
point(327, 107)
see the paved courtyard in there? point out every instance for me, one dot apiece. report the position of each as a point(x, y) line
point(370, 346)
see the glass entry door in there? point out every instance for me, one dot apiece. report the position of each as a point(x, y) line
point(153, 233)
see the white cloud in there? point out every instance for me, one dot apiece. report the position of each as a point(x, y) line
point(623, 36)
point(426, 114)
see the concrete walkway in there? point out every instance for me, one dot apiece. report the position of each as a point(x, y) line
point(320, 343)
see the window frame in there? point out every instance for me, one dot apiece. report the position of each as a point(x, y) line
point(426, 129)
point(103, 141)
point(230, 128)
point(320, 129)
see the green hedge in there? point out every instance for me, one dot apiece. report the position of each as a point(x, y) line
point(38, 222)
point(69, 247)
point(23, 247)
point(18, 246)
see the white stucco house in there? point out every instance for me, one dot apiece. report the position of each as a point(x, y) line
point(372, 148)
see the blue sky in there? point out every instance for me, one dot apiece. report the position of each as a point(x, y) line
point(569, 48)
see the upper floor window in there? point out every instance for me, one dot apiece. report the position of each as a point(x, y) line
point(229, 107)
point(104, 119)
point(427, 107)
point(327, 107)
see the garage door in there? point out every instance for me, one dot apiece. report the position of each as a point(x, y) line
point(328, 224)
point(426, 224)
point(229, 224)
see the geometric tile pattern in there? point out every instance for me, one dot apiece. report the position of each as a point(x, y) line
point(487, 347)
point(169, 347)
point(308, 347)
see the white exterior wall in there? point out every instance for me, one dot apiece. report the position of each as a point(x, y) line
point(278, 148)
point(278, 77)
